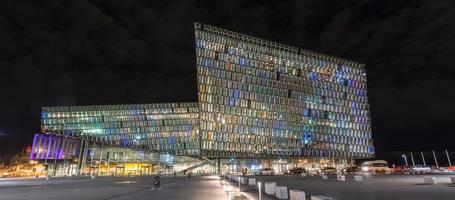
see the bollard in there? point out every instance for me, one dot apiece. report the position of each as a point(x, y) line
point(341, 178)
point(320, 197)
point(281, 192)
point(303, 174)
point(252, 181)
point(260, 193)
point(92, 177)
point(244, 180)
point(324, 177)
point(429, 180)
point(269, 187)
point(297, 194)
point(48, 177)
point(358, 178)
point(452, 179)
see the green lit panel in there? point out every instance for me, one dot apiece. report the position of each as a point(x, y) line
point(258, 98)
point(171, 127)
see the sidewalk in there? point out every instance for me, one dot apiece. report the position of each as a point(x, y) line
point(249, 191)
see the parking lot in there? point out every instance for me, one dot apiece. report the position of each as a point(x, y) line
point(373, 186)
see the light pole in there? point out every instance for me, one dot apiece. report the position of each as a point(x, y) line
point(412, 159)
point(448, 158)
point(405, 159)
point(435, 160)
point(423, 158)
point(260, 193)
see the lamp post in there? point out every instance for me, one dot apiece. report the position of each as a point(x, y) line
point(405, 159)
point(448, 158)
point(435, 160)
point(423, 158)
point(260, 193)
point(412, 159)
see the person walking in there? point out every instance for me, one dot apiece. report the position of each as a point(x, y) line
point(156, 183)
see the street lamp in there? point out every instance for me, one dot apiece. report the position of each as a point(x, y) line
point(405, 159)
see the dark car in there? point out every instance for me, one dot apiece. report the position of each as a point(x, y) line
point(295, 170)
point(329, 170)
point(351, 170)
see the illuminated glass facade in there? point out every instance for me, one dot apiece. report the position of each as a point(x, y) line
point(169, 128)
point(257, 99)
point(263, 99)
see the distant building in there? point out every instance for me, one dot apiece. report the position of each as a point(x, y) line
point(259, 103)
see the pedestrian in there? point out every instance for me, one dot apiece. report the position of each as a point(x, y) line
point(157, 183)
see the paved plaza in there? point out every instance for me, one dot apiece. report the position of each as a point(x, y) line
point(111, 188)
point(208, 188)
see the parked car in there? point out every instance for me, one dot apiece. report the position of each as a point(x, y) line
point(329, 170)
point(420, 169)
point(295, 170)
point(375, 166)
point(266, 172)
point(351, 170)
point(401, 169)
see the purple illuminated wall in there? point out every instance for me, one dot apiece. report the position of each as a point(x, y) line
point(54, 147)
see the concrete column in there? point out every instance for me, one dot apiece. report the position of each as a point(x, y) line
point(84, 155)
point(101, 159)
point(135, 161)
point(150, 164)
point(218, 161)
point(142, 161)
point(158, 163)
point(124, 160)
point(79, 157)
point(56, 157)
point(91, 157)
point(109, 154)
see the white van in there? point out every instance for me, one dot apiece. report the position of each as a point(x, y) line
point(375, 166)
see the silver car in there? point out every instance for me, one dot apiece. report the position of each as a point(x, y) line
point(266, 171)
point(420, 169)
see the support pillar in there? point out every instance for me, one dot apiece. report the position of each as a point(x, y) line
point(109, 154)
point(218, 161)
point(101, 160)
point(84, 155)
point(56, 157)
point(79, 157)
point(124, 160)
point(91, 158)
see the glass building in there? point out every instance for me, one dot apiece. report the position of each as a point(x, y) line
point(259, 103)
point(170, 128)
point(262, 99)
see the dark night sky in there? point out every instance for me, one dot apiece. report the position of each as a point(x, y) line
point(57, 52)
